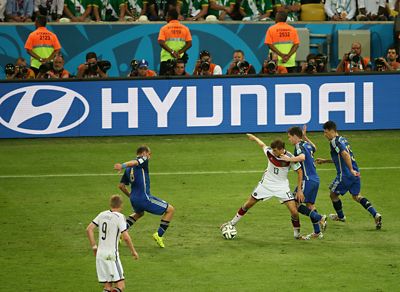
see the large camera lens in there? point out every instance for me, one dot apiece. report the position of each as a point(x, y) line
point(204, 66)
point(10, 69)
point(354, 58)
point(271, 66)
point(92, 67)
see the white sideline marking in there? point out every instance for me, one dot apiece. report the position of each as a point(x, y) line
point(174, 173)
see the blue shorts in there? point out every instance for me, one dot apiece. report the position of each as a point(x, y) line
point(346, 184)
point(149, 204)
point(310, 191)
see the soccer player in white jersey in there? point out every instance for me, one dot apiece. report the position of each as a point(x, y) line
point(274, 183)
point(111, 225)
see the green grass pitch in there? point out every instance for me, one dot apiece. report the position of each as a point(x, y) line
point(43, 218)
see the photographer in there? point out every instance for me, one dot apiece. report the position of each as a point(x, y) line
point(93, 68)
point(238, 56)
point(143, 69)
point(270, 66)
point(314, 64)
point(19, 70)
point(388, 64)
point(204, 65)
point(53, 70)
point(353, 61)
point(179, 69)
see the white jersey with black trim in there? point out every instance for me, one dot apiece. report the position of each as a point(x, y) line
point(111, 225)
point(276, 174)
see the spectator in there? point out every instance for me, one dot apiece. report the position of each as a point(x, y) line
point(54, 70)
point(42, 45)
point(138, 8)
point(19, 10)
point(270, 66)
point(143, 69)
point(238, 56)
point(91, 68)
point(291, 7)
point(283, 40)
point(353, 61)
point(112, 10)
point(52, 10)
point(77, 10)
point(373, 10)
point(204, 65)
point(179, 69)
point(265, 8)
point(3, 4)
point(221, 8)
point(340, 10)
point(388, 64)
point(19, 70)
point(192, 10)
point(162, 7)
point(249, 10)
point(174, 39)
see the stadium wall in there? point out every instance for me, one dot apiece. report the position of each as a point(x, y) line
point(120, 43)
point(197, 105)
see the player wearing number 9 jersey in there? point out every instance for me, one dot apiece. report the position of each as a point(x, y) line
point(111, 224)
point(274, 183)
point(348, 176)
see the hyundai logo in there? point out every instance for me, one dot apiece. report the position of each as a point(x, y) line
point(60, 109)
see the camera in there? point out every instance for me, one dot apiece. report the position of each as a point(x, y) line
point(104, 65)
point(320, 62)
point(92, 67)
point(311, 66)
point(134, 68)
point(242, 66)
point(170, 65)
point(379, 64)
point(9, 69)
point(46, 67)
point(271, 66)
point(204, 66)
point(353, 57)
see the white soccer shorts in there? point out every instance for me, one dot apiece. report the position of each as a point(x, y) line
point(263, 192)
point(109, 270)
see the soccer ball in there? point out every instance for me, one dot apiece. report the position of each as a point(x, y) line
point(228, 231)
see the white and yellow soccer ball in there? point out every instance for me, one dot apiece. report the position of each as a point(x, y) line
point(228, 231)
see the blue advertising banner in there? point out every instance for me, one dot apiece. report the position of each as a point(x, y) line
point(190, 106)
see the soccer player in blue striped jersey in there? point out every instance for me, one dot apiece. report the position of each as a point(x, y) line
point(348, 175)
point(136, 174)
point(304, 154)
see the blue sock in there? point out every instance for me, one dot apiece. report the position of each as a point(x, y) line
point(315, 216)
point(303, 210)
point(338, 208)
point(163, 227)
point(367, 205)
point(315, 225)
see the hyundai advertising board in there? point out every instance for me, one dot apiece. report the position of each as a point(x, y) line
point(191, 106)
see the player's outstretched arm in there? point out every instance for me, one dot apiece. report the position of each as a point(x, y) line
point(128, 240)
point(90, 235)
point(120, 166)
point(299, 158)
point(322, 161)
point(307, 139)
point(257, 140)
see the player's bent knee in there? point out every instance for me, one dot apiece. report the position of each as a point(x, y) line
point(357, 198)
point(171, 209)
